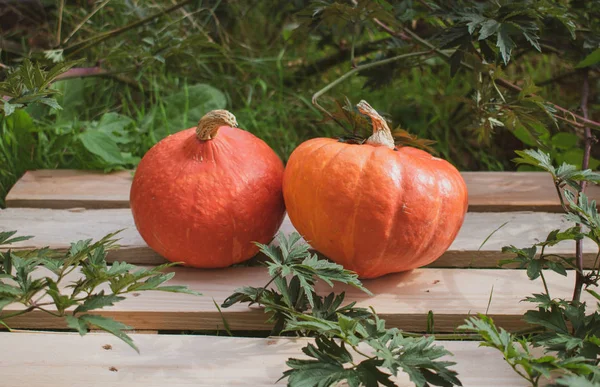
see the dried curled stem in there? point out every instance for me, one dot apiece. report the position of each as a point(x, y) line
point(382, 135)
point(209, 125)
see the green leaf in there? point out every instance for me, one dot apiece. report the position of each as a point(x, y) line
point(564, 140)
point(536, 158)
point(9, 108)
point(50, 102)
point(488, 28)
point(101, 145)
point(505, 42)
point(111, 326)
point(593, 293)
point(115, 126)
point(78, 324)
point(534, 269)
point(590, 60)
point(551, 319)
point(153, 282)
point(98, 301)
point(543, 300)
point(575, 381)
point(177, 289)
point(7, 289)
point(5, 238)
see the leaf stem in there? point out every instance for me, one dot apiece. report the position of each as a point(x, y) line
point(560, 196)
point(580, 277)
point(542, 273)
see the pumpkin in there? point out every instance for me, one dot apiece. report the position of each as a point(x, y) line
point(204, 195)
point(374, 208)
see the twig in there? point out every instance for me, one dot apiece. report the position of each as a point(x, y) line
point(585, 95)
point(77, 47)
point(85, 19)
point(500, 81)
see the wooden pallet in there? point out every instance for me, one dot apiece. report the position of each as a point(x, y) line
point(100, 360)
point(59, 207)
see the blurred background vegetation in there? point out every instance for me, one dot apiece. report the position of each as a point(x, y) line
point(142, 69)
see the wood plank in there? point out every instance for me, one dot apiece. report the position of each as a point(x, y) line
point(58, 228)
point(62, 360)
point(488, 191)
point(402, 299)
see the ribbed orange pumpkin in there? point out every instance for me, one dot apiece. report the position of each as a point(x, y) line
point(374, 208)
point(202, 196)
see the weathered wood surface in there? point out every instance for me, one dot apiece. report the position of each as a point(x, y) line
point(403, 300)
point(488, 191)
point(58, 228)
point(63, 360)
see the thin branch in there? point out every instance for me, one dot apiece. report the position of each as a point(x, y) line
point(87, 43)
point(500, 81)
point(585, 95)
point(85, 19)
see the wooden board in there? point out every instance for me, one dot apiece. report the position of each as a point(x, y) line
point(403, 300)
point(63, 360)
point(488, 191)
point(58, 228)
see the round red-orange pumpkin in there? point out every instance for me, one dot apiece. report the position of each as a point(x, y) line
point(374, 208)
point(202, 196)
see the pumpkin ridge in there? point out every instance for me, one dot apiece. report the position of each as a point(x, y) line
point(393, 225)
point(358, 180)
point(320, 184)
point(359, 198)
point(432, 230)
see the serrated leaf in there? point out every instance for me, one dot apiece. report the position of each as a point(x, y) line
point(76, 323)
point(551, 319)
point(504, 42)
point(98, 301)
point(111, 326)
point(5, 238)
point(50, 102)
point(7, 289)
point(177, 289)
point(488, 28)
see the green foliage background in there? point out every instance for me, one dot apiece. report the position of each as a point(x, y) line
point(263, 60)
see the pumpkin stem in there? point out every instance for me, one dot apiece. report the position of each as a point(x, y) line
point(382, 135)
point(209, 125)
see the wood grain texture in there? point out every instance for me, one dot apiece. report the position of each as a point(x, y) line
point(64, 360)
point(58, 228)
point(488, 191)
point(402, 299)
